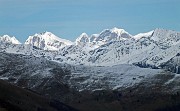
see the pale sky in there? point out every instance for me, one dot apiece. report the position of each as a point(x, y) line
point(69, 18)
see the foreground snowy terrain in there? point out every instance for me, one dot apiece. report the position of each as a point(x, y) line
point(34, 72)
point(75, 84)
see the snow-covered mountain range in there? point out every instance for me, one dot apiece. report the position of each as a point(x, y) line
point(109, 47)
point(105, 66)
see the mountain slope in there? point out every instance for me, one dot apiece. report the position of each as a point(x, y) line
point(37, 73)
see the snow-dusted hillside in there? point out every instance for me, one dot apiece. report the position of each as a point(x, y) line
point(37, 72)
point(47, 41)
point(115, 77)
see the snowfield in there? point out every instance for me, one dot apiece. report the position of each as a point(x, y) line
point(109, 77)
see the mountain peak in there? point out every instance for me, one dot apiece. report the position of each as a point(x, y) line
point(47, 41)
point(8, 39)
point(117, 30)
point(83, 35)
point(108, 35)
point(45, 34)
point(82, 39)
